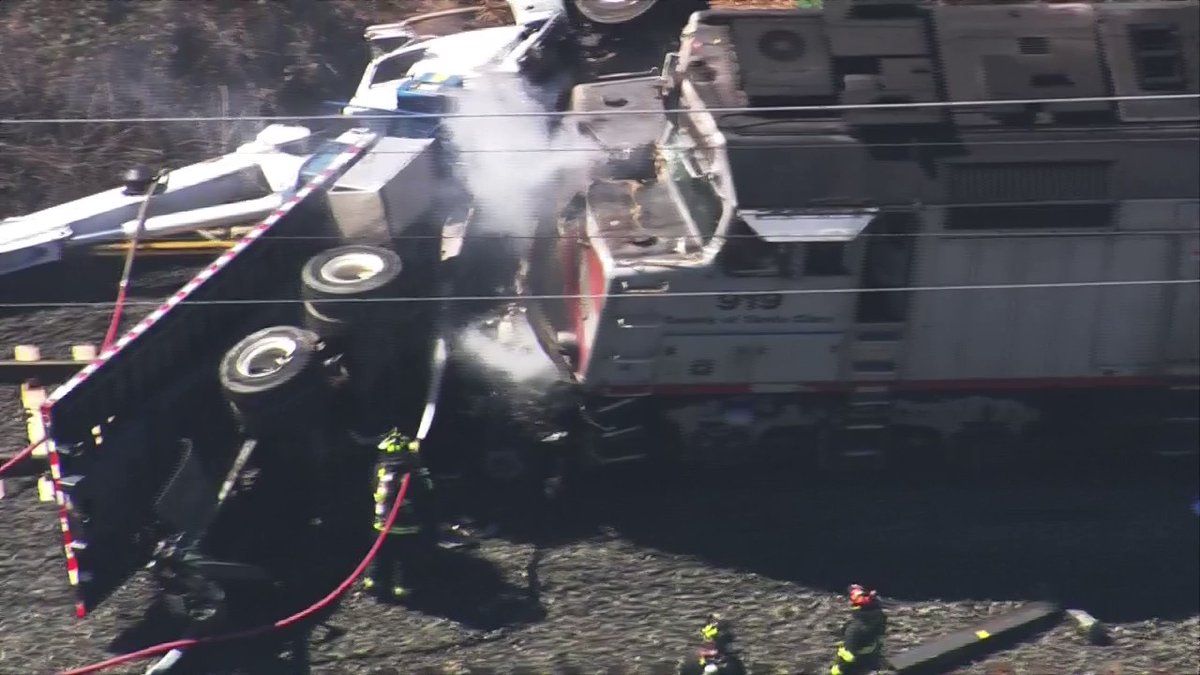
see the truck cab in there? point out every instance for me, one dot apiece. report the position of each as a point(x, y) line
point(530, 52)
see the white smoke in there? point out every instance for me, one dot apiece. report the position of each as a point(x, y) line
point(519, 165)
point(522, 364)
point(515, 160)
point(520, 383)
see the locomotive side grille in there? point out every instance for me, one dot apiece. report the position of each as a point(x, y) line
point(1017, 182)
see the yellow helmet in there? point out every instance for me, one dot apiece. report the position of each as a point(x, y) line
point(712, 629)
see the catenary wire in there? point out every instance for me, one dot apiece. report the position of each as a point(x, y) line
point(799, 238)
point(9, 121)
point(631, 294)
point(857, 145)
point(798, 209)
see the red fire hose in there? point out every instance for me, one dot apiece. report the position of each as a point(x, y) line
point(118, 309)
point(264, 629)
point(19, 457)
point(127, 271)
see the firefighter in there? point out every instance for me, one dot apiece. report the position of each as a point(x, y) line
point(413, 531)
point(717, 634)
point(718, 656)
point(861, 648)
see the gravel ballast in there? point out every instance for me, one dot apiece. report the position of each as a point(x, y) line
point(634, 575)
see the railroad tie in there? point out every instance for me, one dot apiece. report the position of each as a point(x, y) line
point(33, 395)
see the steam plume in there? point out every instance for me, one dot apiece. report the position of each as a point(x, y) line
point(517, 169)
point(516, 165)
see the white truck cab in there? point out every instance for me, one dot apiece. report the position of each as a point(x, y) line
point(527, 48)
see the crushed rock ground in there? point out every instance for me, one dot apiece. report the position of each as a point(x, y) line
point(629, 581)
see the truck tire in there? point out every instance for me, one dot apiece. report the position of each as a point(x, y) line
point(355, 272)
point(632, 15)
point(610, 12)
point(632, 37)
point(267, 376)
point(327, 327)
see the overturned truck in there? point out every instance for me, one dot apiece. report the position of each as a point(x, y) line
point(262, 384)
point(796, 245)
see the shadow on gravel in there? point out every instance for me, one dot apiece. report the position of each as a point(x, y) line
point(275, 653)
point(470, 590)
point(269, 526)
point(1126, 548)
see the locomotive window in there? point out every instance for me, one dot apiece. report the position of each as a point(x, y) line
point(744, 254)
point(1158, 57)
point(699, 198)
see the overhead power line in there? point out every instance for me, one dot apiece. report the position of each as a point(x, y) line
point(776, 238)
point(1084, 230)
point(606, 112)
point(858, 144)
point(632, 294)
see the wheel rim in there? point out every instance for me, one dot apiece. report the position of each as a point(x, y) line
point(266, 357)
point(351, 268)
point(613, 11)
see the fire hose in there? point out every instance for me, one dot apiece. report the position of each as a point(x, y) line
point(281, 624)
point(127, 270)
point(118, 306)
point(19, 457)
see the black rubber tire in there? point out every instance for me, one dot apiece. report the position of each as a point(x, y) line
point(264, 400)
point(633, 46)
point(327, 294)
point(663, 14)
point(327, 327)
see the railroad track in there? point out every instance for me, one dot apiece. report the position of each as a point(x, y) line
point(27, 363)
point(37, 377)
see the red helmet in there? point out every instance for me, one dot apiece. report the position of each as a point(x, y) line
point(861, 597)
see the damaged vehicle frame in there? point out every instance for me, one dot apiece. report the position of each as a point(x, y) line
point(253, 397)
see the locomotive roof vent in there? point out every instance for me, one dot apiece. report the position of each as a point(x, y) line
point(781, 45)
point(782, 58)
point(1153, 48)
point(1022, 53)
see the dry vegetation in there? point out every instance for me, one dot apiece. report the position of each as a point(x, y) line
point(165, 59)
point(171, 59)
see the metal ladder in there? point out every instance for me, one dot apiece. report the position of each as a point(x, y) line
point(631, 356)
point(861, 436)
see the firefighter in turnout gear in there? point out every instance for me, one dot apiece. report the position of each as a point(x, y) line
point(718, 655)
point(717, 634)
point(861, 648)
point(413, 532)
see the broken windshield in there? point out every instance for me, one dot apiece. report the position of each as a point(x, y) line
point(396, 67)
point(700, 200)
